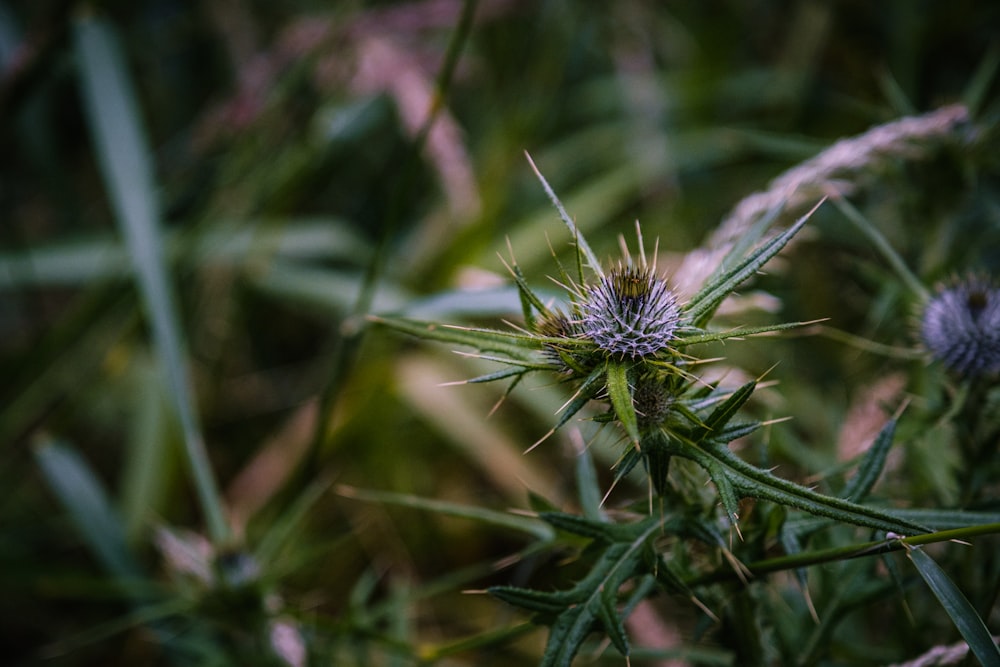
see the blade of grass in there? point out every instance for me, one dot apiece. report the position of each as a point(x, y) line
point(123, 154)
point(148, 461)
point(525, 524)
point(93, 514)
point(345, 347)
point(882, 245)
point(961, 611)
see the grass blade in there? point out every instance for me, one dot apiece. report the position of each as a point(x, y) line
point(961, 611)
point(123, 154)
point(525, 524)
point(93, 514)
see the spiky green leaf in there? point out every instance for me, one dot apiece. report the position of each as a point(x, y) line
point(620, 394)
point(871, 464)
point(537, 601)
point(743, 332)
point(703, 305)
point(512, 344)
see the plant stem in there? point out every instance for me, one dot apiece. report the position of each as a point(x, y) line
point(821, 556)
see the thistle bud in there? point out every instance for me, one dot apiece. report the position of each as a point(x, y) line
point(653, 400)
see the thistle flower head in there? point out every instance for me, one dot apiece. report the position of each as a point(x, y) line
point(961, 327)
point(630, 312)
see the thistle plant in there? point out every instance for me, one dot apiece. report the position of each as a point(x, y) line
point(623, 340)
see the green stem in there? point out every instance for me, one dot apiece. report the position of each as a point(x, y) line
point(821, 556)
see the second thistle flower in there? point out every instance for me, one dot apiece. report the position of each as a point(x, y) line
point(961, 327)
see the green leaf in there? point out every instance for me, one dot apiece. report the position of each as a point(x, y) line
point(528, 297)
point(627, 463)
point(515, 345)
point(607, 612)
point(581, 243)
point(517, 372)
point(882, 245)
point(592, 603)
point(149, 454)
point(977, 90)
point(323, 290)
point(621, 399)
point(543, 603)
point(590, 386)
point(710, 337)
point(727, 492)
point(571, 523)
point(720, 416)
point(701, 307)
point(871, 464)
point(230, 243)
point(280, 531)
point(657, 459)
point(757, 483)
point(616, 564)
point(962, 613)
point(945, 519)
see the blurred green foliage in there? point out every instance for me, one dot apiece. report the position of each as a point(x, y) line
point(315, 162)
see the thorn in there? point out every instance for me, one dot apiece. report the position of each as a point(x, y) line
point(496, 406)
point(899, 411)
point(701, 605)
point(606, 495)
point(809, 603)
point(540, 441)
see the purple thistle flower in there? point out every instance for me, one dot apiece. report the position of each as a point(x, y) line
point(961, 327)
point(630, 312)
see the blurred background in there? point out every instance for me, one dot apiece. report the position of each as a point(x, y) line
point(315, 162)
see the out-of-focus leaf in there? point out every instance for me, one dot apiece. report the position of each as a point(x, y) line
point(93, 514)
point(148, 455)
point(228, 243)
point(123, 153)
point(588, 487)
point(326, 291)
point(535, 527)
point(978, 88)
